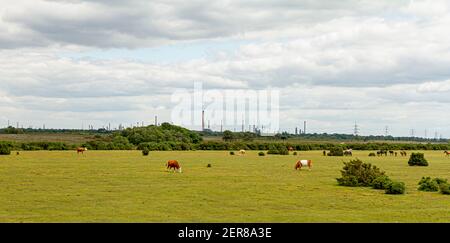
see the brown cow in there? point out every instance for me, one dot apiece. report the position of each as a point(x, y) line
point(301, 163)
point(81, 150)
point(173, 164)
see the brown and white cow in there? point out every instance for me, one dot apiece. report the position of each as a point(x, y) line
point(173, 164)
point(81, 150)
point(303, 162)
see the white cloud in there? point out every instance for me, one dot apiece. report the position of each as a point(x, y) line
point(376, 62)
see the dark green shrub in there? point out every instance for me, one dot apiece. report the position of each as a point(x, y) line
point(295, 153)
point(417, 159)
point(5, 148)
point(357, 173)
point(440, 181)
point(336, 151)
point(261, 154)
point(395, 188)
point(145, 151)
point(372, 154)
point(231, 152)
point(283, 151)
point(273, 151)
point(444, 188)
point(381, 182)
point(426, 184)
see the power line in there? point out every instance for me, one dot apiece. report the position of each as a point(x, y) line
point(356, 130)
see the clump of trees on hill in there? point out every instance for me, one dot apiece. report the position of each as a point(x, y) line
point(164, 133)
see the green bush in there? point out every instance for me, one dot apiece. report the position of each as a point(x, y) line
point(426, 184)
point(372, 154)
point(261, 154)
point(283, 151)
point(444, 188)
point(295, 153)
point(431, 185)
point(381, 182)
point(440, 181)
point(5, 148)
point(336, 151)
point(273, 151)
point(231, 152)
point(417, 159)
point(279, 151)
point(357, 173)
point(145, 151)
point(395, 188)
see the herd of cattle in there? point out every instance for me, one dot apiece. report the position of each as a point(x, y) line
point(176, 167)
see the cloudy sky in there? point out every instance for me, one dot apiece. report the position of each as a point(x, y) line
point(68, 63)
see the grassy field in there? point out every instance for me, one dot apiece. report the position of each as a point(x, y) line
point(124, 186)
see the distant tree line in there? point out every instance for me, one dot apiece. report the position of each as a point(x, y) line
point(168, 132)
point(14, 130)
point(122, 143)
point(170, 137)
point(229, 135)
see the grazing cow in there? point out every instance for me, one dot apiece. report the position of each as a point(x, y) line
point(173, 164)
point(81, 150)
point(242, 152)
point(348, 152)
point(303, 162)
point(324, 153)
point(391, 152)
point(403, 153)
point(382, 152)
point(447, 153)
point(396, 154)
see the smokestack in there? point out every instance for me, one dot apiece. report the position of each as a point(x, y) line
point(304, 127)
point(156, 120)
point(203, 120)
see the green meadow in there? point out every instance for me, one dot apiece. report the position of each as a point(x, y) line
point(124, 186)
